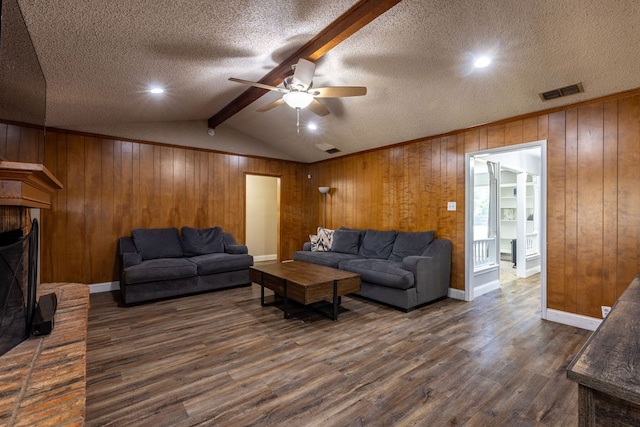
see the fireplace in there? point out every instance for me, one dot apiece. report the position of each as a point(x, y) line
point(23, 186)
point(18, 266)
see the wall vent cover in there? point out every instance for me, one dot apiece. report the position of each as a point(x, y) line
point(563, 91)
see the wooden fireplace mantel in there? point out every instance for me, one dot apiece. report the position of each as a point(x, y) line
point(26, 184)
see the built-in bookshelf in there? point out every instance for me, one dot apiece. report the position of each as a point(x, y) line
point(509, 208)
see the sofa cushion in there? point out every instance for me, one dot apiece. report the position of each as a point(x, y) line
point(377, 244)
point(380, 272)
point(329, 259)
point(411, 243)
point(202, 241)
point(220, 262)
point(154, 243)
point(159, 269)
point(346, 241)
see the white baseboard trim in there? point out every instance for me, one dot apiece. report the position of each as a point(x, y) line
point(531, 271)
point(97, 288)
point(260, 258)
point(456, 294)
point(487, 287)
point(571, 319)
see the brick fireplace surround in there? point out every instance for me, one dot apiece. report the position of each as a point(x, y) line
point(43, 379)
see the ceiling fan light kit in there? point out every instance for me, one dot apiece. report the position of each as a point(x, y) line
point(298, 99)
point(298, 92)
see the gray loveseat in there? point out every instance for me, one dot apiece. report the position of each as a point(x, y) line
point(404, 270)
point(158, 263)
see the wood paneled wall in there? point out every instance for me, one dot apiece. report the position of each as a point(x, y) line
point(593, 206)
point(112, 186)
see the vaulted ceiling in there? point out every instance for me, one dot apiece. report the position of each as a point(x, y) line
point(100, 58)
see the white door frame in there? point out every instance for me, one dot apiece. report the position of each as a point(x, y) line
point(468, 233)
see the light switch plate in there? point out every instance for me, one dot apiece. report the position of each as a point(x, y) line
point(451, 206)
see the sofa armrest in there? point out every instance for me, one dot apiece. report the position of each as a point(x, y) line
point(128, 253)
point(236, 249)
point(129, 259)
point(126, 245)
point(306, 246)
point(231, 246)
point(432, 270)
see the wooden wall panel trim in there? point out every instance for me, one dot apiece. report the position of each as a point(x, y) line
point(513, 132)
point(106, 262)
point(77, 264)
point(610, 204)
point(12, 151)
point(166, 192)
point(530, 129)
point(543, 127)
point(590, 195)
point(51, 234)
point(29, 145)
point(571, 212)
point(628, 195)
point(148, 206)
point(3, 140)
point(496, 136)
point(94, 240)
point(556, 154)
point(425, 219)
point(60, 243)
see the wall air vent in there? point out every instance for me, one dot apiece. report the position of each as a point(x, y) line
point(563, 91)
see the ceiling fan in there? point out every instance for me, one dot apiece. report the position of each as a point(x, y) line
point(299, 91)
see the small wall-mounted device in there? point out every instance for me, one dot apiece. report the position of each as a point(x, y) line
point(211, 131)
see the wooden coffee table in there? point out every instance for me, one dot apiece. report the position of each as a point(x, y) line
point(305, 283)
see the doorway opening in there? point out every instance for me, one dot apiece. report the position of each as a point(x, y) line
point(262, 213)
point(505, 231)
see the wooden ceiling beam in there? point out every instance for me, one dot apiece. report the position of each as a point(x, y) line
point(357, 17)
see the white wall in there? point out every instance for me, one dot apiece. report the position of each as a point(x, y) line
point(262, 217)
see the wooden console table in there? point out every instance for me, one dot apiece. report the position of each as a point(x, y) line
point(43, 379)
point(607, 368)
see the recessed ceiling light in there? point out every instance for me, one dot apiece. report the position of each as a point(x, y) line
point(482, 61)
point(156, 90)
point(312, 126)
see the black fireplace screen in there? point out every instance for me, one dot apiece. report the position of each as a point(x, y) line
point(18, 266)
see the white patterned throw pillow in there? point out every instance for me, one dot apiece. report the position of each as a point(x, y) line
point(313, 238)
point(325, 237)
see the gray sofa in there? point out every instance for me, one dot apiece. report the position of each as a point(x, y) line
point(404, 270)
point(159, 263)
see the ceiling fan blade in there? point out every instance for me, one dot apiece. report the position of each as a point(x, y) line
point(317, 108)
point(338, 91)
point(260, 85)
point(303, 74)
point(271, 105)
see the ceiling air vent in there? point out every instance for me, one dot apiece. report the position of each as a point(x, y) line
point(327, 148)
point(563, 91)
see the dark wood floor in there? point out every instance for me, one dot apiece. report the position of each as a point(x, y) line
point(222, 359)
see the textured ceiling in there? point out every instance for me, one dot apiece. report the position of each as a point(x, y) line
point(99, 58)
